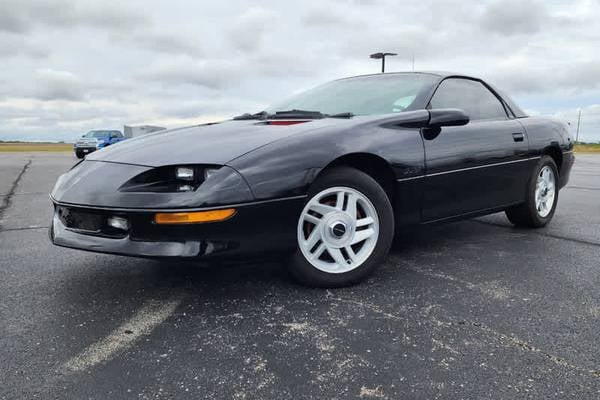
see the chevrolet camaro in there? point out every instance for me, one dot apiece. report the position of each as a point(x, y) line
point(325, 177)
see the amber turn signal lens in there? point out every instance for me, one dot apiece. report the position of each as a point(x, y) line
point(196, 217)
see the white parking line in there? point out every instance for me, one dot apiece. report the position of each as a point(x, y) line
point(141, 323)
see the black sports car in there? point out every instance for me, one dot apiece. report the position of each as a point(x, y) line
point(327, 175)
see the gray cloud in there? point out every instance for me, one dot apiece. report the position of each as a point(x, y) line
point(112, 18)
point(26, 15)
point(512, 17)
point(276, 63)
point(359, 2)
point(570, 79)
point(57, 85)
point(221, 74)
point(583, 76)
point(247, 29)
point(50, 85)
point(13, 22)
point(404, 40)
point(323, 17)
point(214, 74)
point(72, 65)
point(168, 43)
point(209, 106)
point(12, 45)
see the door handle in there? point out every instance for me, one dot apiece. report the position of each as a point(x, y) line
point(518, 136)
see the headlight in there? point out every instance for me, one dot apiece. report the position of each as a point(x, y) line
point(185, 188)
point(184, 173)
point(224, 185)
point(172, 178)
point(118, 223)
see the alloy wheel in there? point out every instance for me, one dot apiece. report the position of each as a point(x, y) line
point(338, 230)
point(545, 191)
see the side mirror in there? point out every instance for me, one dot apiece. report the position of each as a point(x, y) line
point(441, 117)
point(431, 120)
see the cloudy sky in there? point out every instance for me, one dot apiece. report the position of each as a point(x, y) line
point(70, 66)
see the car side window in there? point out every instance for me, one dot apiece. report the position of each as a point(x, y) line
point(470, 96)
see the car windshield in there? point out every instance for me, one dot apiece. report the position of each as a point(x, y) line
point(97, 134)
point(366, 95)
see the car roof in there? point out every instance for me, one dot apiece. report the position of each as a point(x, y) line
point(517, 111)
point(441, 74)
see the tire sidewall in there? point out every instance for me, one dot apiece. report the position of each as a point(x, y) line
point(357, 180)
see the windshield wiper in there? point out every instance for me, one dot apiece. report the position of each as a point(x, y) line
point(292, 114)
point(297, 114)
point(340, 115)
point(247, 116)
point(307, 114)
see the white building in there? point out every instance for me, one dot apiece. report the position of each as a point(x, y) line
point(133, 131)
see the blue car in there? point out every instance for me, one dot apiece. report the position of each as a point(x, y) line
point(94, 140)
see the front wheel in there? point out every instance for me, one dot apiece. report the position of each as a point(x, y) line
point(542, 197)
point(79, 154)
point(344, 231)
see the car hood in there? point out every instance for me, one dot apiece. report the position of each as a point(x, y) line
point(207, 144)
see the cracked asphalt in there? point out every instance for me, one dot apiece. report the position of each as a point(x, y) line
point(474, 309)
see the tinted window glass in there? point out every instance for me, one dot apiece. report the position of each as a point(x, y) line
point(365, 95)
point(102, 134)
point(97, 134)
point(470, 96)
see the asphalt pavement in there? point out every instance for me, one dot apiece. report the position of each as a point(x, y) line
point(475, 309)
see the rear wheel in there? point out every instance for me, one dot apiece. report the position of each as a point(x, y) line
point(345, 230)
point(542, 197)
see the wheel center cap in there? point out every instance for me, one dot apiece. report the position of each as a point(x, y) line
point(338, 229)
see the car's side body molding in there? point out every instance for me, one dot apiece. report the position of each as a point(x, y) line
point(469, 168)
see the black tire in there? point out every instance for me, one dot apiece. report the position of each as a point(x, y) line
point(526, 214)
point(79, 154)
point(354, 179)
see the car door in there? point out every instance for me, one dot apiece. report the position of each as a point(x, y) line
point(477, 166)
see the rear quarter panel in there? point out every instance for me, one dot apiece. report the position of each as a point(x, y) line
point(545, 133)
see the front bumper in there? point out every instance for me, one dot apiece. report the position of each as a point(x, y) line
point(257, 229)
point(84, 149)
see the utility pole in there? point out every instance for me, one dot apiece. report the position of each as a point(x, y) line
point(578, 123)
point(381, 56)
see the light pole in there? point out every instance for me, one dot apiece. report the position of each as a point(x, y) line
point(578, 123)
point(381, 56)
